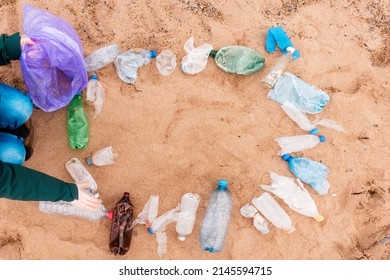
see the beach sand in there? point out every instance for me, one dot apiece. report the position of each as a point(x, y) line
point(183, 133)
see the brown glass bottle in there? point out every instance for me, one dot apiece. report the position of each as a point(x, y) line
point(120, 236)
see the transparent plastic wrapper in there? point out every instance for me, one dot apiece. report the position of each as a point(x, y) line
point(95, 94)
point(102, 57)
point(216, 220)
point(77, 121)
point(196, 59)
point(53, 68)
point(277, 70)
point(127, 63)
point(238, 60)
point(67, 209)
point(268, 206)
point(305, 97)
point(149, 212)
point(187, 215)
point(310, 172)
point(166, 62)
point(250, 212)
point(102, 157)
point(295, 196)
point(80, 174)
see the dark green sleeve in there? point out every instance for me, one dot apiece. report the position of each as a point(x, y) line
point(9, 48)
point(21, 183)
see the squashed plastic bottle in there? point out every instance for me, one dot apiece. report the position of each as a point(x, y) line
point(196, 59)
point(67, 209)
point(80, 174)
point(216, 221)
point(78, 128)
point(95, 94)
point(277, 70)
point(238, 60)
point(310, 172)
point(250, 212)
point(296, 197)
point(291, 144)
point(166, 62)
point(268, 206)
point(127, 63)
point(149, 212)
point(187, 215)
point(101, 57)
point(102, 157)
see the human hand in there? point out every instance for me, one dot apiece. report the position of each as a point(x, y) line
point(86, 201)
point(24, 40)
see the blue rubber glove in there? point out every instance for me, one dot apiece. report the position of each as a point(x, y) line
point(276, 36)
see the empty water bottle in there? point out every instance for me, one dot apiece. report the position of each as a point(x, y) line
point(166, 62)
point(238, 60)
point(101, 57)
point(67, 209)
point(102, 157)
point(196, 59)
point(127, 63)
point(310, 172)
point(291, 144)
point(95, 94)
point(149, 212)
point(80, 174)
point(186, 218)
point(216, 221)
point(78, 128)
point(250, 212)
point(165, 219)
point(277, 70)
point(268, 206)
point(295, 196)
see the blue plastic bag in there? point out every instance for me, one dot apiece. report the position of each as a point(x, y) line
point(310, 172)
point(53, 68)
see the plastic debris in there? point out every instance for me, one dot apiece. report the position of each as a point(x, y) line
point(196, 59)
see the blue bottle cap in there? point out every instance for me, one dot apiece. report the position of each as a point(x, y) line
point(322, 138)
point(150, 230)
point(89, 161)
point(314, 131)
point(94, 77)
point(153, 53)
point(222, 184)
point(286, 157)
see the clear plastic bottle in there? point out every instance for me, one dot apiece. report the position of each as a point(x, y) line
point(80, 174)
point(196, 59)
point(277, 70)
point(127, 63)
point(101, 57)
point(216, 221)
point(250, 212)
point(292, 144)
point(268, 206)
point(186, 218)
point(102, 157)
point(149, 212)
point(166, 62)
point(67, 209)
point(95, 94)
point(296, 197)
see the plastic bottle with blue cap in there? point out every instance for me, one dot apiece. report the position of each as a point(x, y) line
point(95, 94)
point(102, 57)
point(127, 63)
point(102, 157)
point(216, 221)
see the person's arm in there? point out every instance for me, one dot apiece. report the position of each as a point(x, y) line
point(10, 48)
point(21, 183)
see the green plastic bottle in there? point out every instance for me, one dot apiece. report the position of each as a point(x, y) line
point(238, 60)
point(78, 128)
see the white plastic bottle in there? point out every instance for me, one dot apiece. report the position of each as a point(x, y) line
point(296, 197)
point(250, 212)
point(80, 174)
point(127, 63)
point(102, 157)
point(216, 220)
point(95, 94)
point(166, 62)
point(187, 215)
point(196, 59)
point(277, 70)
point(267, 205)
point(67, 209)
point(101, 57)
point(292, 144)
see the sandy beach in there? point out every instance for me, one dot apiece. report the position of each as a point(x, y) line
point(182, 133)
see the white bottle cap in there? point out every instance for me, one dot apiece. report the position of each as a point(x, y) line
point(182, 237)
point(290, 49)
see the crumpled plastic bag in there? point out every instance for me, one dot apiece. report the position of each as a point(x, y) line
point(53, 68)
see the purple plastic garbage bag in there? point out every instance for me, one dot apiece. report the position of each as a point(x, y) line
point(53, 68)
